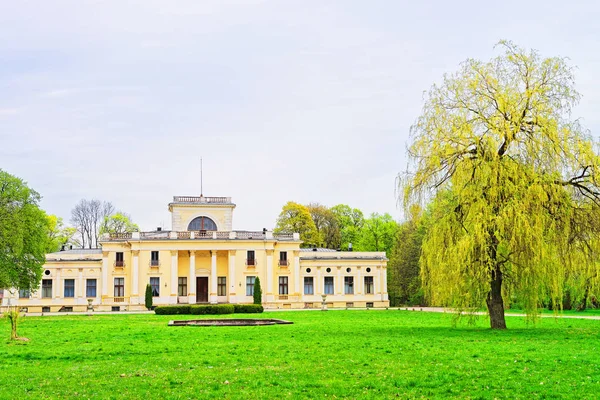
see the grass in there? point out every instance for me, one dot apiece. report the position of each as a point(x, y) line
point(334, 354)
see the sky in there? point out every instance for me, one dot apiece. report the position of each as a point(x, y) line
point(309, 101)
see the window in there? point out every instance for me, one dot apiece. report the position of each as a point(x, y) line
point(222, 286)
point(283, 285)
point(202, 224)
point(250, 260)
point(182, 286)
point(308, 285)
point(69, 288)
point(154, 259)
point(283, 258)
point(90, 288)
point(119, 287)
point(328, 285)
point(24, 293)
point(155, 284)
point(349, 285)
point(47, 288)
point(250, 285)
point(369, 285)
point(119, 259)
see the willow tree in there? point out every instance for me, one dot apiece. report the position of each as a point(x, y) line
point(515, 183)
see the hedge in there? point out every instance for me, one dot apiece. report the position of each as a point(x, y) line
point(248, 308)
point(209, 309)
point(171, 310)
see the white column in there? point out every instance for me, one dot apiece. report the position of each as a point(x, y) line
point(80, 292)
point(104, 282)
point(297, 273)
point(359, 284)
point(57, 284)
point(173, 299)
point(319, 283)
point(135, 283)
point(269, 279)
point(213, 277)
point(377, 281)
point(340, 284)
point(384, 295)
point(192, 282)
point(231, 276)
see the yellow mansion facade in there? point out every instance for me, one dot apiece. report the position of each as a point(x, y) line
point(202, 260)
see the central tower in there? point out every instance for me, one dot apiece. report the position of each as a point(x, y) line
point(194, 213)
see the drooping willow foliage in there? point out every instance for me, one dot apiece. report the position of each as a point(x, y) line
point(513, 181)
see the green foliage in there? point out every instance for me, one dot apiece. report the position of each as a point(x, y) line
point(296, 218)
point(327, 224)
point(148, 297)
point(118, 223)
point(404, 281)
point(514, 185)
point(351, 221)
point(257, 295)
point(248, 308)
point(24, 234)
point(212, 309)
point(59, 234)
point(173, 310)
point(378, 233)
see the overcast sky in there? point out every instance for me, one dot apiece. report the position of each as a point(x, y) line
point(306, 100)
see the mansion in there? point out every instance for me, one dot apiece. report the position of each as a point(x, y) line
point(202, 260)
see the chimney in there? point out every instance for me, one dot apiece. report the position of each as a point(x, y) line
point(349, 246)
point(62, 248)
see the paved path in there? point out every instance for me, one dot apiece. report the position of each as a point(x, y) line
point(418, 309)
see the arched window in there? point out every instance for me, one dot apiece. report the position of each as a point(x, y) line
point(202, 224)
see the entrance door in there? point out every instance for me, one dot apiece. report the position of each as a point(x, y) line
point(202, 289)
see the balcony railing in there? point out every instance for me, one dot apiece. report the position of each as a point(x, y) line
point(283, 297)
point(119, 264)
point(283, 263)
point(251, 262)
point(154, 263)
point(117, 299)
point(120, 236)
point(201, 199)
point(202, 234)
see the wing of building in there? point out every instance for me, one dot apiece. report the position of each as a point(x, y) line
point(202, 260)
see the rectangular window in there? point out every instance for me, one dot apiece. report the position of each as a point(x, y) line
point(222, 286)
point(328, 285)
point(283, 258)
point(155, 284)
point(119, 287)
point(250, 285)
point(182, 286)
point(369, 285)
point(154, 259)
point(90, 288)
point(349, 285)
point(308, 285)
point(24, 293)
point(119, 259)
point(251, 260)
point(283, 285)
point(47, 288)
point(69, 287)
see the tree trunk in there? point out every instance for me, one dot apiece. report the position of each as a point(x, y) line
point(586, 294)
point(494, 300)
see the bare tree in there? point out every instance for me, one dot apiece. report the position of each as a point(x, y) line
point(87, 216)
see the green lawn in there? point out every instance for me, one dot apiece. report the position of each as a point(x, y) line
point(334, 354)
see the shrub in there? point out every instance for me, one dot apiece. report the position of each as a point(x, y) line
point(257, 291)
point(172, 310)
point(148, 302)
point(248, 308)
point(212, 309)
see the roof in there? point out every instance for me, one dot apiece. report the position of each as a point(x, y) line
point(77, 251)
point(319, 249)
